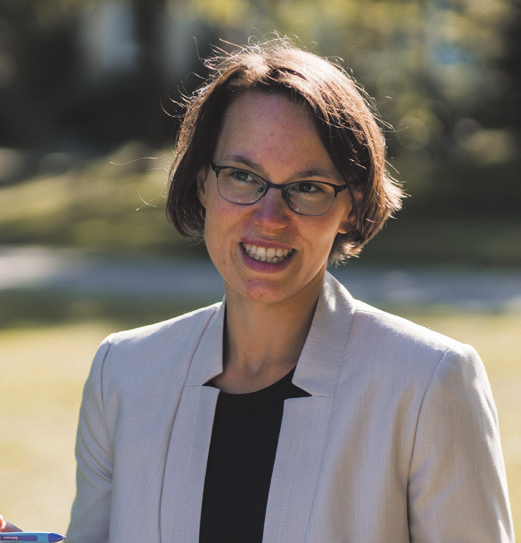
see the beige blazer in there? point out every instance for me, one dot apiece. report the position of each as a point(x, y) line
point(398, 441)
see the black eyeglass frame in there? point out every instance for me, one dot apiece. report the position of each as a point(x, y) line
point(281, 186)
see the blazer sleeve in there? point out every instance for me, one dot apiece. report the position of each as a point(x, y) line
point(457, 486)
point(91, 508)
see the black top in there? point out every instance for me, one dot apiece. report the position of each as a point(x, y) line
point(240, 463)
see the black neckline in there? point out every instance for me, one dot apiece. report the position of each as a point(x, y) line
point(266, 391)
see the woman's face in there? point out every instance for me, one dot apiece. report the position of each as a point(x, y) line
point(276, 139)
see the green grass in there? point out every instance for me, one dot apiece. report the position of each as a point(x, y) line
point(43, 367)
point(42, 371)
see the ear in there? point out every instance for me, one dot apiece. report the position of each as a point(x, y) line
point(350, 221)
point(201, 187)
point(344, 227)
point(347, 225)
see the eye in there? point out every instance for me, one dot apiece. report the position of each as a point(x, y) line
point(308, 187)
point(242, 176)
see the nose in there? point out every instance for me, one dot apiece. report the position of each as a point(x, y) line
point(271, 211)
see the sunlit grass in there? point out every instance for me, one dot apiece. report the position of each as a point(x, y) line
point(41, 376)
point(42, 370)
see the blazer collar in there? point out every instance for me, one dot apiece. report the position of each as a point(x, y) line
point(320, 360)
point(207, 361)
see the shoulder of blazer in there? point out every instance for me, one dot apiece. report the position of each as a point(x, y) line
point(369, 327)
point(401, 339)
point(186, 325)
point(146, 353)
point(404, 329)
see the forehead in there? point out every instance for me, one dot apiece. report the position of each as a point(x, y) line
point(255, 118)
point(252, 101)
point(274, 137)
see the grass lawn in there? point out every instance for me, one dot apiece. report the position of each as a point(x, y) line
point(42, 370)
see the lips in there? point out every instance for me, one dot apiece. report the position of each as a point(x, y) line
point(271, 255)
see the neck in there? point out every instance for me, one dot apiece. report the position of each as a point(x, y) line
point(262, 343)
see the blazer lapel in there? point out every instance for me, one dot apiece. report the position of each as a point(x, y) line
point(305, 420)
point(185, 466)
point(302, 436)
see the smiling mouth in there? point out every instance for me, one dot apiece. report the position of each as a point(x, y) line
point(269, 255)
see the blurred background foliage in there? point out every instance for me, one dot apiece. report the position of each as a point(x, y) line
point(88, 92)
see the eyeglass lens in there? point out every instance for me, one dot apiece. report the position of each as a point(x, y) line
point(303, 197)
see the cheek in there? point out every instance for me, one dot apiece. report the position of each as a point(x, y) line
point(219, 213)
point(327, 229)
point(214, 241)
point(221, 225)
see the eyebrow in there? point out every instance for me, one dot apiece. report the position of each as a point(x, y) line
point(309, 172)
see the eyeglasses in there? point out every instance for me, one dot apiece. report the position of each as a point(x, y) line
point(242, 187)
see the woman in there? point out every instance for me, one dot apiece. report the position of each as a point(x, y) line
point(290, 412)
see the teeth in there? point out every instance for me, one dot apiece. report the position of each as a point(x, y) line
point(270, 255)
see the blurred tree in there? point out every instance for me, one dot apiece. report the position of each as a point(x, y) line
point(37, 68)
point(430, 64)
point(150, 79)
point(507, 110)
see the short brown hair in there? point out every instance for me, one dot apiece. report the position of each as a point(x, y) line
point(345, 117)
